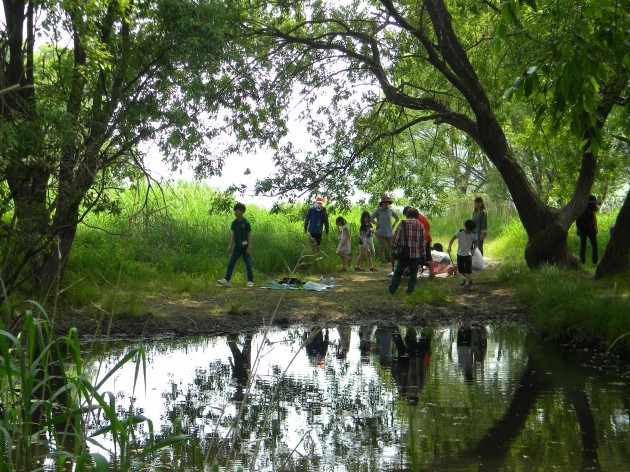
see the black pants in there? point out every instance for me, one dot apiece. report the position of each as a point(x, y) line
point(592, 237)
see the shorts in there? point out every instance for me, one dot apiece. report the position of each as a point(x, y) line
point(464, 264)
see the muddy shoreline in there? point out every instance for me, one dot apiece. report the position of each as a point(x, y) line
point(359, 299)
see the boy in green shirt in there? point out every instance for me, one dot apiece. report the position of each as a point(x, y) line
point(240, 246)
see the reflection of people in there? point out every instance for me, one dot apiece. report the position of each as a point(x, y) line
point(344, 341)
point(316, 222)
point(241, 364)
point(365, 341)
point(480, 217)
point(383, 340)
point(384, 231)
point(409, 369)
point(587, 228)
point(472, 343)
point(411, 233)
point(240, 246)
point(466, 245)
point(317, 345)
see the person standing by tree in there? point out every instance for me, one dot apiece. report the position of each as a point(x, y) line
point(587, 228)
point(240, 246)
point(384, 231)
point(316, 222)
point(480, 217)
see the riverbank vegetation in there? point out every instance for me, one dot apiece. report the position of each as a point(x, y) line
point(179, 246)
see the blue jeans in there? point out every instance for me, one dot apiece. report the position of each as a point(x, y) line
point(400, 269)
point(236, 253)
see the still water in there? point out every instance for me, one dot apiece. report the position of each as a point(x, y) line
point(379, 398)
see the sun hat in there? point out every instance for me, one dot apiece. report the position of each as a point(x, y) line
point(385, 199)
point(319, 199)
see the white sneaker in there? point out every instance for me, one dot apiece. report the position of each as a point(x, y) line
point(224, 282)
point(250, 284)
point(391, 274)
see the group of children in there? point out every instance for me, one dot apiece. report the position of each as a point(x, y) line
point(317, 221)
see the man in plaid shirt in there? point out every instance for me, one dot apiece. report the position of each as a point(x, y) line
point(416, 241)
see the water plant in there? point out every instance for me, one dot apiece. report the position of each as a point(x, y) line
point(49, 401)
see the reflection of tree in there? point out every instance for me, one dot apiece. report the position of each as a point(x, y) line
point(540, 375)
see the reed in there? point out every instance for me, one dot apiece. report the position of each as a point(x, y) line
point(48, 398)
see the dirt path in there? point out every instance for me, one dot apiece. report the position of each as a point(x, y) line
point(360, 298)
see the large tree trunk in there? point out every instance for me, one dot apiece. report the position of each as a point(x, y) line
point(616, 258)
point(547, 228)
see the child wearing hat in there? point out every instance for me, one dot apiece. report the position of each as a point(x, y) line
point(384, 230)
point(316, 222)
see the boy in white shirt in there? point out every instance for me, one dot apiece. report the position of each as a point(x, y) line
point(466, 245)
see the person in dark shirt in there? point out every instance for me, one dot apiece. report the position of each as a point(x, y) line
point(587, 229)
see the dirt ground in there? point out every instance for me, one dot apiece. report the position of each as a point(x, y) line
point(358, 298)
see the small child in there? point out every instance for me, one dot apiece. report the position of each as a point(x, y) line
point(365, 246)
point(466, 245)
point(240, 246)
point(443, 259)
point(345, 246)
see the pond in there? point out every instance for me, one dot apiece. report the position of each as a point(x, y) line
point(377, 398)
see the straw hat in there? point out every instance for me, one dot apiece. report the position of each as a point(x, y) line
point(385, 199)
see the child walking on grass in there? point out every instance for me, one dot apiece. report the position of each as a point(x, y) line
point(365, 246)
point(240, 246)
point(466, 245)
point(345, 246)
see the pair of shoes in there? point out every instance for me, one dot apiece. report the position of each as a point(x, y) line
point(467, 288)
point(250, 284)
point(224, 282)
point(358, 269)
point(431, 275)
point(373, 269)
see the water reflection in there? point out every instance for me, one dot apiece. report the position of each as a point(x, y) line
point(372, 398)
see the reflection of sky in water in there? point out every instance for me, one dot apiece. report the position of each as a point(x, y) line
point(345, 410)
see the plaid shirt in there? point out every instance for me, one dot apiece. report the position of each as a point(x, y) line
point(415, 237)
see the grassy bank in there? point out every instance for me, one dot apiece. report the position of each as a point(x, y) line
point(179, 246)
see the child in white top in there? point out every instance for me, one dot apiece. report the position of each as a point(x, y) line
point(365, 236)
point(466, 245)
point(345, 245)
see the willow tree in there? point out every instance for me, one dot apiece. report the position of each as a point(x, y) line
point(84, 83)
point(448, 63)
